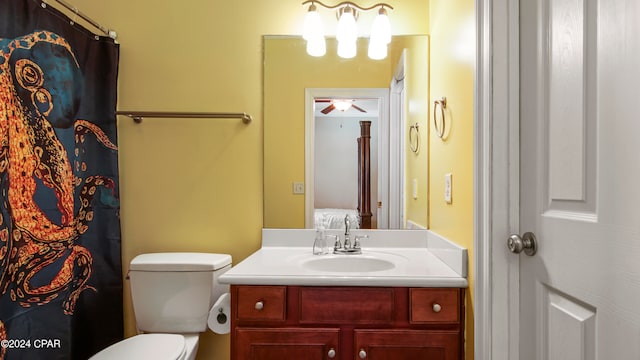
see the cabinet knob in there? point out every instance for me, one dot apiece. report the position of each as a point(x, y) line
point(332, 353)
point(436, 307)
point(259, 305)
point(362, 354)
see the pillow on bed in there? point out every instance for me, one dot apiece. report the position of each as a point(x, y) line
point(334, 218)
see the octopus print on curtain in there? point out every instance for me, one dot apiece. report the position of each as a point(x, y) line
point(60, 267)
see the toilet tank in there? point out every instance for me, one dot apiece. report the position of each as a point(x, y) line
point(173, 292)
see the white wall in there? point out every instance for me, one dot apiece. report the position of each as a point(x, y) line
point(336, 162)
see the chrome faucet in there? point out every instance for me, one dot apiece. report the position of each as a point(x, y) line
point(347, 248)
point(347, 227)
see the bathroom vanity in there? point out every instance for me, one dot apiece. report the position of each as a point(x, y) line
point(301, 322)
point(289, 304)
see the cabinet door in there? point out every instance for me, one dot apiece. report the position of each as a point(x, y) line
point(286, 343)
point(407, 345)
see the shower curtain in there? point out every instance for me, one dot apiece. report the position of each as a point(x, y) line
point(60, 267)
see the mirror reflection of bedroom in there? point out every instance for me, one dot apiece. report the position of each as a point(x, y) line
point(346, 162)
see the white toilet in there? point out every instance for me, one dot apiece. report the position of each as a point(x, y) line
point(172, 295)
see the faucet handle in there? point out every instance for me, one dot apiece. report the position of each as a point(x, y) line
point(356, 242)
point(336, 241)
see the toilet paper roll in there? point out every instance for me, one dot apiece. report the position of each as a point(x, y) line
point(220, 315)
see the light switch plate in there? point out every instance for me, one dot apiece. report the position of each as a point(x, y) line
point(415, 188)
point(447, 188)
point(298, 187)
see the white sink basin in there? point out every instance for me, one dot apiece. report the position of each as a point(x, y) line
point(348, 263)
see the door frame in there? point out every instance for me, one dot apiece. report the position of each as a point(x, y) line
point(394, 212)
point(496, 180)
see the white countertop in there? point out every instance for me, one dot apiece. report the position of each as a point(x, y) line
point(421, 259)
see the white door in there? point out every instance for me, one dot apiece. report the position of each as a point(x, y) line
point(580, 179)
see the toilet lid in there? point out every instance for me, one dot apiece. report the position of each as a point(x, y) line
point(145, 346)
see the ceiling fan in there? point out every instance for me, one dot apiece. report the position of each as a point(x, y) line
point(340, 104)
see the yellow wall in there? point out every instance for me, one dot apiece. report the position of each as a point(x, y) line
point(196, 185)
point(452, 75)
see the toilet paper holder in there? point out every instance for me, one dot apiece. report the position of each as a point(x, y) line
point(219, 315)
point(222, 317)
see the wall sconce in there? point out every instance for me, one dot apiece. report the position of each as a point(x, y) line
point(347, 31)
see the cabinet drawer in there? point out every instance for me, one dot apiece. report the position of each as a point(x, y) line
point(434, 306)
point(261, 302)
point(346, 305)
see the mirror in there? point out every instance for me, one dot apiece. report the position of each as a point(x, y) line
point(290, 74)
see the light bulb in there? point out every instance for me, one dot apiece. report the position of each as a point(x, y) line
point(317, 46)
point(381, 29)
point(377, 49)
point(347, 49)
point(347, 29)
point(312, 24)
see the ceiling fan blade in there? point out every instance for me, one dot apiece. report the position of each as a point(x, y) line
point(358, 108)
point(328, 109)
point(323, 100)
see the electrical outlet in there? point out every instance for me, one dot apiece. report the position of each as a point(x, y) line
point(298, 187)
point(447, 188)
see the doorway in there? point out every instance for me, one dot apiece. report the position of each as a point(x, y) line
point(373, 101)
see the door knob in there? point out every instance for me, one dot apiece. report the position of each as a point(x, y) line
point(527, 243)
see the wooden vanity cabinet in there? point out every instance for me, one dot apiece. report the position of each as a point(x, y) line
point(376, 323)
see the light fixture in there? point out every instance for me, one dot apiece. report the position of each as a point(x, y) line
point(312, 24)
point(342, 105)
point(380, 36)
point(314, 33)
point(347, 30)
point(347, 33)
point(381, 27)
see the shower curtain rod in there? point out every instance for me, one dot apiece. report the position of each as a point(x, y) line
point(110, 33)
point(137, 116)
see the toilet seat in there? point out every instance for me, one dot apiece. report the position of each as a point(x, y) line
point(146, 346)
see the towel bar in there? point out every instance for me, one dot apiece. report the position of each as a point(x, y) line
point(137, 116)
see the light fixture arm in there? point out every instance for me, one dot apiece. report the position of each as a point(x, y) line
point(349, 3)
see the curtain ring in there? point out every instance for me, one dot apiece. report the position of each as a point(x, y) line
point(443, 105)
point(75, 16)
point(415, 148)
